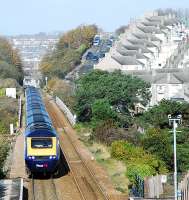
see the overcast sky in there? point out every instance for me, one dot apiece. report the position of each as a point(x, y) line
point(32, 16)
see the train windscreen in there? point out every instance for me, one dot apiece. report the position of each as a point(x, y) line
point(41, 143)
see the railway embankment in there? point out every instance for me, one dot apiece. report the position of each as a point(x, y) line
point(98, 173)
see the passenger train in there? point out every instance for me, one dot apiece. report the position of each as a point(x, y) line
point(42, 150)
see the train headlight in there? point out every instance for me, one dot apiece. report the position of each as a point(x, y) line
point(30, 157)
point(52, 157)
point(33, 157)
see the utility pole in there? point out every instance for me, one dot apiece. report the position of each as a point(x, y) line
point(175, 121)
point(46, 78)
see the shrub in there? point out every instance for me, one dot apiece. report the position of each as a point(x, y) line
point(4, 148)
point(138, 169)
point(118, 150)
point(138, 161)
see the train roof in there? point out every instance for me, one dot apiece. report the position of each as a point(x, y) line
point(40, 130)
point(38, 122)
point(36, 118)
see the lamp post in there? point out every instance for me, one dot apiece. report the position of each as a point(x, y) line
point(175, 121)
point(46, 78)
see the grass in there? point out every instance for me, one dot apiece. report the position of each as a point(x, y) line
point(8, 114)
point(115, 169)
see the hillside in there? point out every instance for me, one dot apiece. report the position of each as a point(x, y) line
point(68, 52)
point(10, 62)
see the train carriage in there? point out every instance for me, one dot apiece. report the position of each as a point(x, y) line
point(42, 151)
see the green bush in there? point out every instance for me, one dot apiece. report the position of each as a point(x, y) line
point(3, 128)
point(122, 150)
point(8, 108)
point(138, 169)
point(4, 149)
point(138, 161)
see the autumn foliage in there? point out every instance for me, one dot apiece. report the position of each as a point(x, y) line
point(68, 52)
point(10, 62)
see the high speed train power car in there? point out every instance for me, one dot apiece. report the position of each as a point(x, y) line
point(42, 151)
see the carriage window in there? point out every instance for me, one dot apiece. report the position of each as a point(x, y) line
point(41, 143)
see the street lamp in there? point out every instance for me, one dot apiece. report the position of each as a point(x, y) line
point(46, 78)
point(175, 121)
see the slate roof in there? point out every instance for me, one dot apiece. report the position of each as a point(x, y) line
point(155, 23)
point(136, 53)
point(168, 78)
point(169, 22)
point(142, 42)
point(146, 36)
point(159, 77)
point(155, 18)
point(137, 47)
point(126, 60)
point(149, 29)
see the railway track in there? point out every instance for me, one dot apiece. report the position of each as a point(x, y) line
point(43, 189)
point(84, 179)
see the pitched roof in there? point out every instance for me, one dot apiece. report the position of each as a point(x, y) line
point(146, 36)
point(155, 18)
point(142, 42)
point(169, 76)
point(126, 60)
point(149, 29)
point(135, 53)
point(137, 47)
point(158, 24)
point(169, 22)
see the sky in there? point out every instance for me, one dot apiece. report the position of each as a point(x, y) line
point(33, 16)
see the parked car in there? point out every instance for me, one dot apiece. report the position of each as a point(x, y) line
point(96, 40)
point(89, 55)
point(109, 43)
point(101, 54)
point(92, 56)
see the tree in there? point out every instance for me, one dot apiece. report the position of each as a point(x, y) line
point(63, 90)
point(10, 62)
point(68, 52)
point(121, 29)
point(158, 142)
point(101, 110)
point(118, 90)
point(157, 115)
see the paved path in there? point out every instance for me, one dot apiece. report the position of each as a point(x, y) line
point(18, 165)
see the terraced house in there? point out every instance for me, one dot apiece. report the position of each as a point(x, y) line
point(154, 48)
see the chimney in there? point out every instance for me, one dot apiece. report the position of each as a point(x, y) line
point(140, 50)
point(162, 22)
point(153, 73)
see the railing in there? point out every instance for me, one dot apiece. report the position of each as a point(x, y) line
point(20, 113)
point(66, 110)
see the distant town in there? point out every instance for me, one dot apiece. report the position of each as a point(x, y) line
point(32, 48)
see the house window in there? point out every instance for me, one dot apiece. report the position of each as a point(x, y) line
point(160, 89)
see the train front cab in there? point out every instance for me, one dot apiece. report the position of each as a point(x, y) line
point(42, 154)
